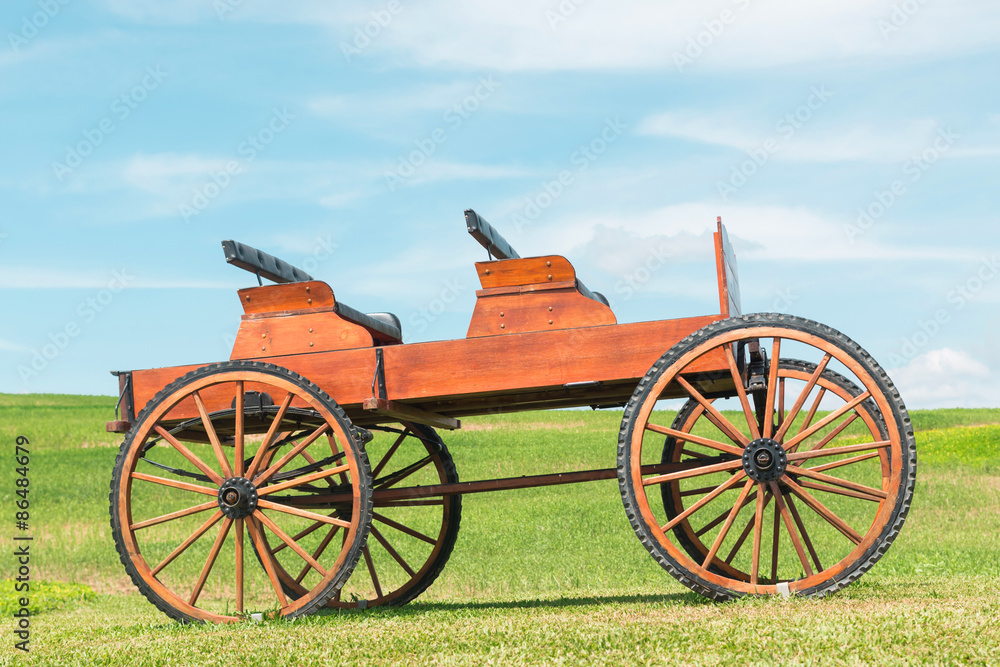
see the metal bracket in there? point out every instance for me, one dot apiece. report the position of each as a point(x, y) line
point(378, 382)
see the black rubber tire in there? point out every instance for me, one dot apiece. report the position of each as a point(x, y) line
point(683, 538)
point(899, 420)
point(171, 389)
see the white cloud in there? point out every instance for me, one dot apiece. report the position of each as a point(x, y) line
point(11, 346)
point(946, 378)
point(829, 143)
point(35, 277)
point(757, 232)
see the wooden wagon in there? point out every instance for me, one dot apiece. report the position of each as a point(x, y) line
point(257, 485)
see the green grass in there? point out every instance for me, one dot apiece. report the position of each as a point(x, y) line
point(540, 576)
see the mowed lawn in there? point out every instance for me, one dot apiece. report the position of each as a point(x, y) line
point(538, 576)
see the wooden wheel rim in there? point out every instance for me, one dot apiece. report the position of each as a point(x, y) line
point(146, 429)
point(698, 412)
point(718, 341)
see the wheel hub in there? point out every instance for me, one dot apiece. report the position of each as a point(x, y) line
point(764, 460)
point(237, 498)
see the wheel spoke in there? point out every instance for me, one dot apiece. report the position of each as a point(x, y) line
point(775, 540)
point(319, 552)
point(781, 403)
point(713, 413)
point(239, 436)
point(371, 571)
point(719, 519)
point(813, 409)
point(295, 451)
point(742, 393)
point(695, 472)
point(730, 518)
point(844, 462)
point(392, 552)
point(182, 547)
point(696, 439)
point(729, 483)
point(758, 525)
point(261, 517)
point(805, 484)
point(400, 475)
point(175, 484)
point(803, 532)
point(186, 453)
point(823, 511)
point(403, 529)
point(836, 481)
point(213, 437)
point(174, 515)
point(829, 419)
point(266, 443)
point(834, 451)
point(257, 535)
point(787, 421)
point(746, 532)
point(779, 508)
point(210, 563)
point(389, 454)
point(239, 563)
point(298, 536)
point(305, 479)
point(302, 513)
point(772, 388)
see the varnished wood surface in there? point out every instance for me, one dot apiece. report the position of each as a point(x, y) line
point(503, 273)
point(544, 310)
point(288, 297)
point(259, 338)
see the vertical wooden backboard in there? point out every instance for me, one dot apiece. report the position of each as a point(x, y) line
point(729, 277)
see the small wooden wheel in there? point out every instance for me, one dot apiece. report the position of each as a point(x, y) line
point(197, 472)
point(777, 477)
point(410, 539)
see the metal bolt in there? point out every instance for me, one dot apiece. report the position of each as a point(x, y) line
point(550, 276)
point(308, 288)
point(501, 314)
point(503, 326)
point(550, 309)
point(309, 300)
point(310, 343)
point(310, 330)
point(548, 263)
point(264, 335)
point(487, 272)
point(262, 348)
point(550, 321)
point(248, 297)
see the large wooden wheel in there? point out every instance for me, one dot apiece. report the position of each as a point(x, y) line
point(187, 491)
point(777, 477)
point(410, 539)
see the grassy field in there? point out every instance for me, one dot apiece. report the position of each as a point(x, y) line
point(538, 576)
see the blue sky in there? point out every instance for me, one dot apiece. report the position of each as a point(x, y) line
point(850, 147)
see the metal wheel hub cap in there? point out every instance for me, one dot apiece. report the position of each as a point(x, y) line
point(237, 497)
point(764, 460)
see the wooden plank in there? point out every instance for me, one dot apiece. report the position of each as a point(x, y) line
point(404, 412)
point(298, 334)
point(507, 272)
point(505, 314)
point(287, 297)
point(728, 276)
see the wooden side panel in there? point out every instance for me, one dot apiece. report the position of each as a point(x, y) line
point(729, 279)
point(287, 297)
point(460, 372)
point(520, 362)
point(297, 334)
point(546, 310)
point(507, 272)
